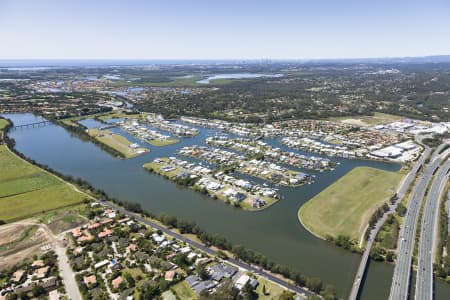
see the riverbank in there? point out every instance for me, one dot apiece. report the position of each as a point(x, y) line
point(345, 207)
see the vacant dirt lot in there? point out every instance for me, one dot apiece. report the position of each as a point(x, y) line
point(19, 241)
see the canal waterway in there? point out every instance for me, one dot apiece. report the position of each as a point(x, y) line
point(274, 232)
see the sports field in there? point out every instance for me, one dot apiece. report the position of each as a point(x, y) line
point(345, 207)
point(26, 190)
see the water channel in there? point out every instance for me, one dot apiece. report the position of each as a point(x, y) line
point(274, 232)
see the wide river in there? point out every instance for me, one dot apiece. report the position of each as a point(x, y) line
point(274, 232)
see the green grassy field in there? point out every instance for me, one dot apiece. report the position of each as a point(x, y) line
point(162, 143)
point(3, 123)
point(26, 190)
point(272, 290)
point(376, 119)
point(183, 291)
point(116, 142)
point(345, 207)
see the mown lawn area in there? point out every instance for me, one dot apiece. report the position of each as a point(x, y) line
point(26, 190)
point(268, 290)
point(345, 207)
point(183, 291)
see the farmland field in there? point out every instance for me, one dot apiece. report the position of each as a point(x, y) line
point(26, 189)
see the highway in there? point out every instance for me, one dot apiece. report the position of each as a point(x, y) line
point(402, 272)
point(238, 263)
point(403, 189)
point(428, 232)
point(448, 210)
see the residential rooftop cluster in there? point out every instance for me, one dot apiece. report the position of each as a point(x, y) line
point(125, 259)
point(180, 130)
point(242, 129)
point(217, 184)
point(317, 146)
point(33, 279)
point(259, 147)
point(329, 138)
point(135, 128)
point(257, 168)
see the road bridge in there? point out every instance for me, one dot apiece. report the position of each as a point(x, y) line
point(32, 125)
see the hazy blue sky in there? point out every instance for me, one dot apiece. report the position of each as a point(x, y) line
point(209, 29)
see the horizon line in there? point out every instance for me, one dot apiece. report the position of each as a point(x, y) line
point(232, 59)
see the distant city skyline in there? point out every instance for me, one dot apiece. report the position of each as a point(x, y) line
point(218, 30)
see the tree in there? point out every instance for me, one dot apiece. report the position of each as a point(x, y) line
point(264, 290)
point(201, 272)
point(390, 256)
point(401, 209)
point(38, 291)
point(129, 279)
point(248, 292)
point(314, 284)
point(286, 296)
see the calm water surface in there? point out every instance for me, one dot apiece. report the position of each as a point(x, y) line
point(274, 232)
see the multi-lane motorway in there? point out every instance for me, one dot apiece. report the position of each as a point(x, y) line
point(402, 272)
point(424, 281)
point(403, 189)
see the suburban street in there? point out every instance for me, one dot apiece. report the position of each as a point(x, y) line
point(424, 281)
point(238, 263)
point(66, 272)
point(402, 272)
point(405, 185)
